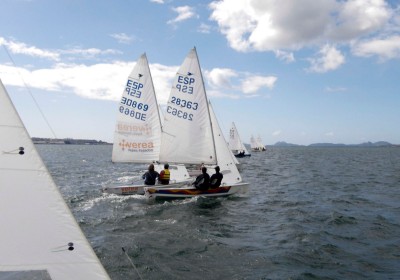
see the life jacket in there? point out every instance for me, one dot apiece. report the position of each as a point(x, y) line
point(164, 176)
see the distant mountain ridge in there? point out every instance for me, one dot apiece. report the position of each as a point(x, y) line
point(366, 144)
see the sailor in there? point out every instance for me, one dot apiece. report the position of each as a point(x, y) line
point(165, 175)
point(203, 180)
point(216, 178)
point(150, 176)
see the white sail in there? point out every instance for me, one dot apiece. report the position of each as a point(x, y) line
point(187, 134)
point(253, 143)
point(256, 144)
point(40, 238)
point(137, 136)
point(235, 143)
point(225, 157)
point(260, 143)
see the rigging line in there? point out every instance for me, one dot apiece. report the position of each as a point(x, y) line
point(130, 260)
point(30, 92)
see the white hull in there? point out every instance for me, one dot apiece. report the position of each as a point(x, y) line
point(139, 189)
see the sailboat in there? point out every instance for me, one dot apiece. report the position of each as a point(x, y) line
point(235, 143)
point(256, 144)
point(138, 129)
point(188, 110)
point(40, 237)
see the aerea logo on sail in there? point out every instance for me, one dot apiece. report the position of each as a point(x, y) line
point(134, 129)
point(137, 146)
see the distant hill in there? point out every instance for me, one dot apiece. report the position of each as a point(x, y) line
point(284, 144)
point(366, 144)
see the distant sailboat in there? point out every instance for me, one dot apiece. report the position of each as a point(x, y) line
point(40, 238)
point(256, 144)
point(193, 136)
point(235, 143)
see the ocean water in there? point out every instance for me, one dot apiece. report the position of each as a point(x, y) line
point(310, 213)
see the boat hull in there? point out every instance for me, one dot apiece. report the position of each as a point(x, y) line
point(139, 189)
point(188, 192)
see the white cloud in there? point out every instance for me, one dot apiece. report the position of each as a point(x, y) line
point(276, 133)
point(329, 59)
point(204, 28)
point(122, 38)
point(220, 77)
point(387, 48)
point(53, 55)
point(335, 89)
point(285, 26)
point(21, 48)
point(359, 17)
point(329, 134)
point(104, 80)
point(184, 13)
point(253, 84)
point(157, 1)
point(285, 56)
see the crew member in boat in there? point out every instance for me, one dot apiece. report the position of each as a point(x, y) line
point(202, 181)
point(215, 180)
point(165, 175)
point(150, 176)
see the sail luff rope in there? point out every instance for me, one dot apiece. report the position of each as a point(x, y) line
point(30, 92)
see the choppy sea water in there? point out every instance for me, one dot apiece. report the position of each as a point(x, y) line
point(310, 213)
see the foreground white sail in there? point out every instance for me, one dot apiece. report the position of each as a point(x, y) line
point(40, 238)
point(187, 134)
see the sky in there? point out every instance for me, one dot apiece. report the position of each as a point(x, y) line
point(299, 71)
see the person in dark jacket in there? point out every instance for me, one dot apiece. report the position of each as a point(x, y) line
point(150, 176)
point(215, 180)
point(203, 180)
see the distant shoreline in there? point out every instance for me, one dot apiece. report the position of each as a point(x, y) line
point(68, 141)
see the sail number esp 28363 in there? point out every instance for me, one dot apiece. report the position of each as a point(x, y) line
point(184, 85)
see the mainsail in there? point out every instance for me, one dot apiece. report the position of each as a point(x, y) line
point(187, 133)
point(40, 237)
point(226, 160)
point(137, 136)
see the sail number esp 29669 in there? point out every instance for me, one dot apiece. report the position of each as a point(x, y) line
point(131, 107)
